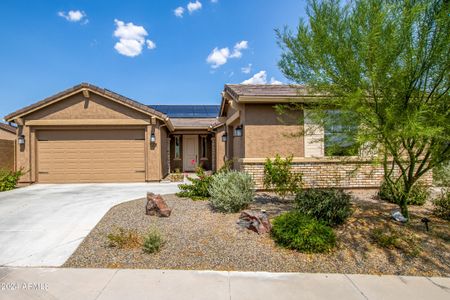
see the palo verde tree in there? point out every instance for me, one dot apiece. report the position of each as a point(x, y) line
point(385, 66)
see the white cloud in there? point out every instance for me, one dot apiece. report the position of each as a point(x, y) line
point(179, 11)
point(193, 6)
point(74, 16)
point(260, 78)
point(247, 69)
point(218, 57)
point(274, 81)
point(242, 45)
point(150, 44)
point(131, 38)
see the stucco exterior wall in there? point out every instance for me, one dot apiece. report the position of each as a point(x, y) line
point(7, 135)
point(164, 154)
point(327, 173)
point(220, 148)
point(7, 154)
point(267, 133)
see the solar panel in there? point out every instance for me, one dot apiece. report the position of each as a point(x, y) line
point(188, 111)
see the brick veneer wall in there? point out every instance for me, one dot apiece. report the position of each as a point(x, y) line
point(322, 173)
point(7, 154)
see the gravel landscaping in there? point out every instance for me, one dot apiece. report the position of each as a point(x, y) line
point(198, 238)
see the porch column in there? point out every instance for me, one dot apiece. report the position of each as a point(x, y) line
point(168, 154)
point(213, 153)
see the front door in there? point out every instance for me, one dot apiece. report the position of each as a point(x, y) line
point(190, 152)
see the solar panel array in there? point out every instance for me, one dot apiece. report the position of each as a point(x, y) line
point(188, 111)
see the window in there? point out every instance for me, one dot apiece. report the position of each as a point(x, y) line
point(177, 147)
point(203, 147)
point(340, 135)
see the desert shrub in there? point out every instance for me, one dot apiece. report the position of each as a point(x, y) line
point(9, 179)
point(297, 231)
point(442, 205)
point(124, 238)
point(227, 166)
point(231, 191)
point(417, 196)
point(332, 206)
point(441, 175)
point(198, 188)
point(152, 242)
point(390, 238)
point(278, 176)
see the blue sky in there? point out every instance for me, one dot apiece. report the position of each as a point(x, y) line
point(160, 58)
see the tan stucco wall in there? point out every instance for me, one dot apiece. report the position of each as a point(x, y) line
point(164, 154)
point(267, 133)
point(78, 107)
point(220, 148)
point(94, 108)
point(7, 154)
point(7, 135)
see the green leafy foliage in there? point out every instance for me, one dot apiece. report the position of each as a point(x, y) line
point(441, 175)
point(231, 191)
point(278, 175)
point(124, 238)
point(297, 231)
point(332, 206)
point(384, 65)
point(152, 242)
point(418, 195)
point(9, 179)
point(442, 205)
point(198, 188)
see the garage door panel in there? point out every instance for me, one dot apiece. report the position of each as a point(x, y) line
point(91, 156)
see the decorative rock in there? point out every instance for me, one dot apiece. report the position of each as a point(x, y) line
point(257, 221)
point(156, 205)
point(397, 216)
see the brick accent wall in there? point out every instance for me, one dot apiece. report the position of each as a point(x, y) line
point(7, 154)
point(322, 173)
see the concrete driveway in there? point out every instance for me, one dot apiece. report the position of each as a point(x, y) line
point(43, 224)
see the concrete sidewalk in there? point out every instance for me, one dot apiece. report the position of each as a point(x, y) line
point(56, 283)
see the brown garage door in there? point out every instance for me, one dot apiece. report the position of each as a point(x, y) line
point(90, 156)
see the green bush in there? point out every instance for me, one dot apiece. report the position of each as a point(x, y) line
point(152, 242)
point(124, 238)
point(297, 231)
point(441, 175)
point(418, 195)
point(9, 179)
point(231, 191)
point(442, 205)
point(279, 176)
point(198, 188)
point(332, 206)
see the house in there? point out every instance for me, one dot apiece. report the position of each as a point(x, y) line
point(90, 134)
point(7, 132)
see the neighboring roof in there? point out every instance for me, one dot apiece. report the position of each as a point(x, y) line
point(266, 90)
point(7, 127)
point(188, 111)
point(117, 97)
point(194, 123)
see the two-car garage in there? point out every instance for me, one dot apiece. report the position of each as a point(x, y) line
point(90, 155)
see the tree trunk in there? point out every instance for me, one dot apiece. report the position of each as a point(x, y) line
point(404, 207)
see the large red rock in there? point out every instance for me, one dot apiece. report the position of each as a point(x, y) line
point(156, 206)
point(258, 221)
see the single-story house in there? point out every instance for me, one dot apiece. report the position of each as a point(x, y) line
point(91, 134)
point(7, 132)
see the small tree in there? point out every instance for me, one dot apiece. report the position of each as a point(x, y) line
point(278, 175)
point(384, 65)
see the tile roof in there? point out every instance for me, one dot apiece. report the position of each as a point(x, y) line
point(188, 111)
point(7, 127)
point(94, 88)
point(200, 123)
point(274, 90)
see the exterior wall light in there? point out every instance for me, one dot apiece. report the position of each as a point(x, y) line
point(152, 138)
point(21, 139)
point(238, 131)
point(224, 137)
